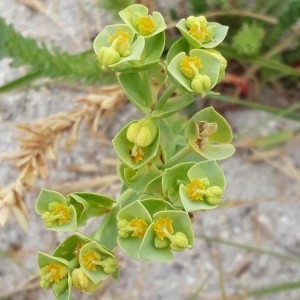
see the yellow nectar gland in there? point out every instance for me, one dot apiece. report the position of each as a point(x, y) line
point(190, 66)
point(163, 226)
point(146, 25)
point(139, 227)
point(120, 41)
point(62, 212)
point(55, 272)
point(137, 155)
point(199, 31)
point(90, 259)
point(195, 189)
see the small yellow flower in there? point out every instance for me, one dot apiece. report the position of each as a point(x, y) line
point(163, 227)
point(199, 31)
point(120, 42)
point(139, 227)
point(196, 188)
point(190, 65)
point(63, 213)
point(90, 259)
point(137, 155)
point(146, 25)
point(55, 272)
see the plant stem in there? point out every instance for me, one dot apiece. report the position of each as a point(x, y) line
point(181, 153)
point(166, 95)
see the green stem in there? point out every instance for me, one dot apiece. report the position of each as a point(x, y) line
point(145, 78)
point(180, 154)
point(166, 95)
point(73, 264)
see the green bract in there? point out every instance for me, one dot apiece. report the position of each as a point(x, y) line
point(210, 135)
point(131, 154)
point(158, 247)
point(97, 262)
point(56, 211)
point(133, 221)
point(54, 273)
point(202, 176)
point(167, 164)
point(115, 47)
point(215, 34)
point(209, 66)
point(146, 25)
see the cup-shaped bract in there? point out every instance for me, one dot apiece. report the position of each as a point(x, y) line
point(97, 262)
point(172, 178)
point(204, 178)
point(115, 46)
point(54, 273)
point(69, 249)
point(184, 68)
point(162, 235)
point(137, 16)
point(131, 154)
point(56, 211)
point(89, 205)
point(210, 135)
point(133, 222)
point(202, 34)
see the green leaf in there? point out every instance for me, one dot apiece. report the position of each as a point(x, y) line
point(154, 205)
point(137, 90)
point(153, 48)
point(107, 232)
point(172, 178)
point(180, 45)
point(131, 244)
point(175, 103)
point(137, 179)
point(90, 205)
point(70, 247)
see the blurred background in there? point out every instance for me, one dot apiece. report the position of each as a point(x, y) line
point(52, 96)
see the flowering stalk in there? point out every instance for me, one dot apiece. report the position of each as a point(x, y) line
point(168, 163)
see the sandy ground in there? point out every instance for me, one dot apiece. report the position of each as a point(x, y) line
point(262, 195)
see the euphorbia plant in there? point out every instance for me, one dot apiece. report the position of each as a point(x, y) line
point(168, 163)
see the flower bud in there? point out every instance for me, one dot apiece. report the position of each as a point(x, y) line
point(179, 242)
point(108, 56)
point(214, 195)
point(123, 231)
point(200, 84)
point(142, 133)
point(191, 21)
point(161, 243)
point(82, 282)
point(110, 265)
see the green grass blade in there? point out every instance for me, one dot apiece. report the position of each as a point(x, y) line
point(250, 248)
point(17, 83)
point(286, 113)
point(274, 289)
